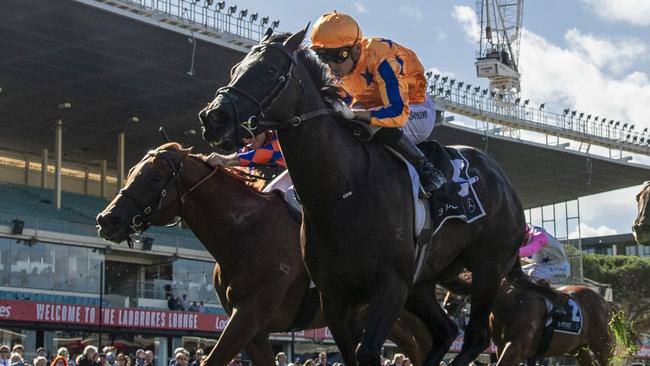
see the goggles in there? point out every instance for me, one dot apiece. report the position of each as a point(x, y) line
point(334, 55)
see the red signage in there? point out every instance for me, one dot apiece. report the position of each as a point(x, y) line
point(40, 312)
point(34, 311)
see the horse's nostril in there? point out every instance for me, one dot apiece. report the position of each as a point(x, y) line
point(109, 221)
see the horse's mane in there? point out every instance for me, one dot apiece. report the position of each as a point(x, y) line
point(174, 146)
point(318, 71)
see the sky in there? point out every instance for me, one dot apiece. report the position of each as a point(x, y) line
point(588, 55)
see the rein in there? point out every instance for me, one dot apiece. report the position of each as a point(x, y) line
point(140, 221)
point(259, 120)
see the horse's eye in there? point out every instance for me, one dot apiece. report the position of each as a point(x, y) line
point(270, 71)
point(156, 178)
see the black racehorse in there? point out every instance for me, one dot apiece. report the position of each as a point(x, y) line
point(357, 232)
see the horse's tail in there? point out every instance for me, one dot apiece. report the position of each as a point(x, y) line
point(626, 339)
point(519, 279)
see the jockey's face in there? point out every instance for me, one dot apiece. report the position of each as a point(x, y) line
point(344, 68)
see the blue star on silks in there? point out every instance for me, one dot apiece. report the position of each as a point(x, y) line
point(401, 64)
point(368, 76)
point(390, 43)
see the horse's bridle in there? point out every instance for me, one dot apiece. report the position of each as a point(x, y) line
point(259, 120)
point(139, 221)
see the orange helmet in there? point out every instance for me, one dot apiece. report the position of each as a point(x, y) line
point(335, 30)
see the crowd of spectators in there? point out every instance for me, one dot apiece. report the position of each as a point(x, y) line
point(183, 304)
point(110, 356)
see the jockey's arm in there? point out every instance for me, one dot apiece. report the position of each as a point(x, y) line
point(265, 154)
point(393, 89)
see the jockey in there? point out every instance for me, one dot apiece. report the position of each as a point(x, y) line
point(384, 82)
point(549, 260)
point(261, 150)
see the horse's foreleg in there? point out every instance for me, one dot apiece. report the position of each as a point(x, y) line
point(244, 323)
point(337, 315)
point(260, 350)
point(386, 304)
point(485, 285)
point(412, 336)
point(423, 303)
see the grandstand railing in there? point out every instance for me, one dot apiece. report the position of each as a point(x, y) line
point(209, 16)
point(155, 289)
point(482, 106)
point(177, 238)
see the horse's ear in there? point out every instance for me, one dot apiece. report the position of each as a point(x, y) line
point(292, 43)
point(267, 35)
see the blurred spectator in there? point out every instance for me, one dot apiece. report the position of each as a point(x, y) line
point(236, 361)
point(297, 362)
point(111, 359)
point(185, 302)
point(201, 308)
point(198, 356)
point(322, 360)
point(122, 360)
point(406, 362)
point(398, 359)
point(41, 352)
point(281, 359)
point(139, 357)
point(309, 362)
point(181, 359)
point(62, 351)
point(101, 359)
point(172, 362)
point(40, 361)
point(4, 355)
point(16, 359)
point(194, 307)
point(19, 349)
point(149, 359)
point(59, 361)
point(179, 304)
point(171, 302)
point(88, 357)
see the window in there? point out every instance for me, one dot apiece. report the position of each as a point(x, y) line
point(194, 278)
point(42, 265)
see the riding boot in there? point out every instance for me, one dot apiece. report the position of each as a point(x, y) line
point(431, 177)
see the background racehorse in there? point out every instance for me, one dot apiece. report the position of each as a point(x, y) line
point(641, 227)
point(259, 275)
point(519, 318)
point(358, 208)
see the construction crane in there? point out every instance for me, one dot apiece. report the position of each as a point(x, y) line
point(498, 55)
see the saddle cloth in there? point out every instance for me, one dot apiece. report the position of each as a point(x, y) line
point(457, 199)
point(570, 322)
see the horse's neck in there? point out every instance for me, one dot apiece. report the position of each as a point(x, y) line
point(324, 160)
point(219, 211)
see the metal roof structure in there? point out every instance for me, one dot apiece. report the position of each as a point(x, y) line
point(111, 65)
point(110, 68)
point(544, 174)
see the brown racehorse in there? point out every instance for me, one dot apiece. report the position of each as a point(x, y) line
point(259, 275)
point(641, 227)
point(519, 317)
